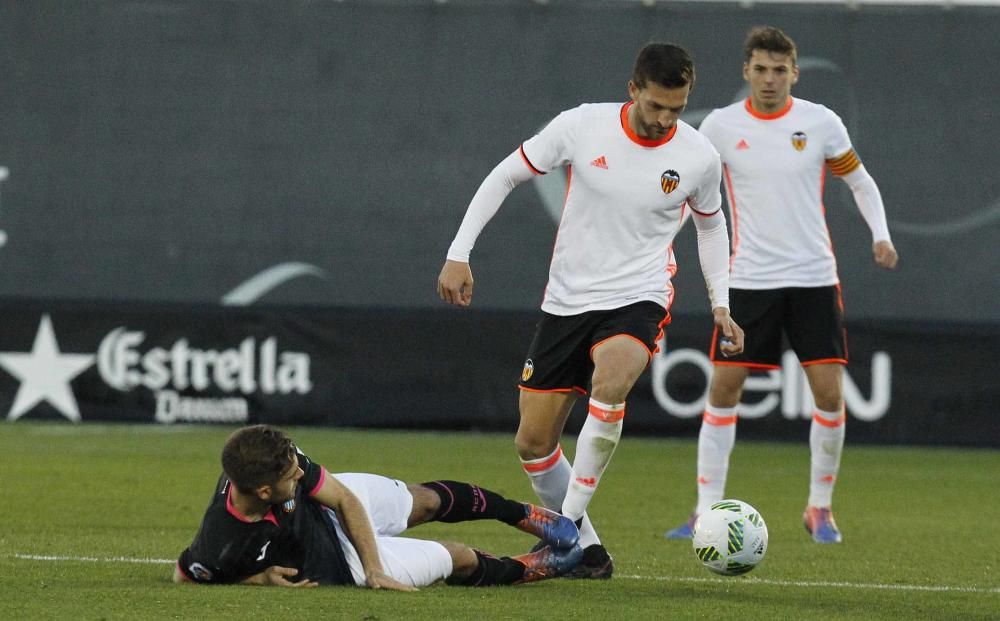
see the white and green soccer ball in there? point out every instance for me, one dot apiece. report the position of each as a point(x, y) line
point(730, 538)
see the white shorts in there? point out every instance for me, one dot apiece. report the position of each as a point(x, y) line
point(388, 502)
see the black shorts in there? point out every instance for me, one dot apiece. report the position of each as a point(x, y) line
point(811, 317)
point(559, 358)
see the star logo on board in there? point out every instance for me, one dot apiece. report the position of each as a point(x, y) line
point(45, 374)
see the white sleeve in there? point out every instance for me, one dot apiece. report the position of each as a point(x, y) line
point(713, 253)
point(869, 201)
point(507, 175)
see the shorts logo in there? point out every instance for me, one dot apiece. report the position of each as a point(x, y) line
point(799, 140)
point(200, 572)
point(669, 180)
point(528, 370)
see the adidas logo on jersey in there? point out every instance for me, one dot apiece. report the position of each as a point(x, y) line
point(600, 162)
point(742, 145)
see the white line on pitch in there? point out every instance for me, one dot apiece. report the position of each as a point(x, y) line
point(94, 559)
point(733, 581)
point(821, 583)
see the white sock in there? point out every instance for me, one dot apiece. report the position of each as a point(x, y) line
point(826, 442)
point(715, 443)
point(594, 447)
point(549, 478)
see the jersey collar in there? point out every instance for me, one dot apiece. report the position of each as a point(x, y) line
point(233, 511)
point(767, 117)
point(644, 142)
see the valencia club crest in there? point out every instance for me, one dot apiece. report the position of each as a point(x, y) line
point(799, 140)
point(669, 180)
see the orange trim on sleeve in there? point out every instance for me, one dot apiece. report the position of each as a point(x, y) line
point(527, 161)
point(634, 137)
point(767, 117)
point(543, 465)
point(844, 164)
point(830, 423)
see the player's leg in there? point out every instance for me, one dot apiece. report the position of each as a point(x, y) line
point(826, 445)
point(718, 433)
point(419, 562)
point(543, 417)
point(556, 370)
point(716, 439)
point(622, 345)
point(473, 567)
point(817, 335)
point(760, 315)
point(618, 362)
point(456, 501)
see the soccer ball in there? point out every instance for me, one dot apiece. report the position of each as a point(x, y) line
point(730, 538)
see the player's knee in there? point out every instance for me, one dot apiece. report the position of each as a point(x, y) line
point(829, 400)
point(611, 388)
point(463, 559)
point(533, 446)
point(426, 503)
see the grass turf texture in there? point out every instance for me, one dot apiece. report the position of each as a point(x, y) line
point(910, 517)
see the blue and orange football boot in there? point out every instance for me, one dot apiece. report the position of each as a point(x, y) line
point(549, 563)
point(684, 531)
point(819, 522)
point(553, 529)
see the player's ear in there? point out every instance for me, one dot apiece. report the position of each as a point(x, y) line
point(746, 71)
point(264, 492)
point(795, 73)
point(633, 90)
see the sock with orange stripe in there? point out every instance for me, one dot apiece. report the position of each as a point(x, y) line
point(594, 447)
point(826, 443)
point(715, 443)
point(549, 478)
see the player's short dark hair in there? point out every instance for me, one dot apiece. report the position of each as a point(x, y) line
point(257, 455)
point(666, 64)
point(769, 39)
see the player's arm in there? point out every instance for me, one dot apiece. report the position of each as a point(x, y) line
point(455, 281)
point(713, 253)
point(354, 520)
point(867, 197)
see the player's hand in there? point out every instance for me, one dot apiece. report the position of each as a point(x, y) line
point(280, 576)
point(732, 335)
point(885, 254)
point(379, 580)
point(455, 283)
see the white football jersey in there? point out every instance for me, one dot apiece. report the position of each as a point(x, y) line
point(624, 203)
point(774, 168)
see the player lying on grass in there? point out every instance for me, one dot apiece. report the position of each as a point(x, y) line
point(278, 518)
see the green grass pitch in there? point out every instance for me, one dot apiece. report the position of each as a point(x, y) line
point(83, 505)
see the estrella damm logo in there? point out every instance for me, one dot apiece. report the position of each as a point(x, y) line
point(669, 180)
point(799, 140)
point(528, 370)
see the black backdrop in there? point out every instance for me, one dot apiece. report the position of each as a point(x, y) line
point(170, 150)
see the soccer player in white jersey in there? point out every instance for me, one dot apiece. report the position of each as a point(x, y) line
point(775, 151)
point(633, 170)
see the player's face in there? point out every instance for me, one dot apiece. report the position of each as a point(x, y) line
point(284, 488)
point(656, 108)
point(771, 76)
